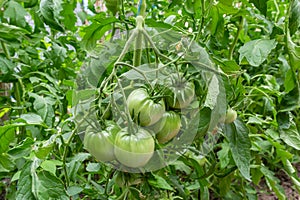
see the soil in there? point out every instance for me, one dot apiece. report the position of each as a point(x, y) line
point(285, 182)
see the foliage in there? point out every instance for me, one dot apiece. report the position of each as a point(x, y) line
point(252, 47)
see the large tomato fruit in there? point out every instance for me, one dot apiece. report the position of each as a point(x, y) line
point(180, 92)
point(143, 109)
point(100, 144)
point(134, 150)
point(167, 127)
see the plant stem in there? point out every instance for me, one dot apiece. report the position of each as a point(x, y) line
point(137, 55)
point(232, 47)
point(154, 47)
point(64, 158)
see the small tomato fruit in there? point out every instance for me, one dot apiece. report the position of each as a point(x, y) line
point(231, 115)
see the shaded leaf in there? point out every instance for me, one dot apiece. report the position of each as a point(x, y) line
point(261, 5)
point(95, 31)
point(273, 183)
point(50, 13)
point(160, 182)
point(7, 135)
point(24, 184)
point(240, 144)
point(50, 187)
point(294, 18)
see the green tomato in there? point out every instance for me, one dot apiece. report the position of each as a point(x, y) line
point(143, 109)
point(100, 144)
point(134, 150)
point(180, 92)
point(231, 115)
point(168, 127)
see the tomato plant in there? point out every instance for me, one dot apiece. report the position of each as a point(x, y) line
point(68, 66)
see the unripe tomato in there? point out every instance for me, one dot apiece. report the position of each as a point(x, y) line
point(143, 109)
point(167, 127)
point(100, 144)
point(231, 115)
point(180, 92)
point(134, 150)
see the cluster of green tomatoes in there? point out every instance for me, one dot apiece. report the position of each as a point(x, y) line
point(155, 120)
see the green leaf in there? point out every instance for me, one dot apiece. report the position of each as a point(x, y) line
point(6, 163)
point(10, 33)
point(6, 66)
point(7, 135)
point(257, 51)
point(229, 66)
point(25, 183)
point(213, 93)
point(223, 155)
point(289, 83)
point(43, 106)
point(294, 18)
point(226, 7)
point(216, 100)
point(50, 165)
point(240, 144)
point(93, 167)
point(50, 13)
point(16, 14)
point(32, 118)
point(69, 16)
point(273, 183)
point(160, 182)
point(193, 7)
point(95, 31)
point(73, 190)
point(50, 187)
point(75, 163)
point(261, 5)
point(290, 135)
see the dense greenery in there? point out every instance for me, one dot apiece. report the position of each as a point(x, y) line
point(248, 49)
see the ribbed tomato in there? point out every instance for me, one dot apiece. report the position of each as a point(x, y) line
point(180, 92)
point(100, 143)
point(134, 150)
point(143, 108)
point(168, 127)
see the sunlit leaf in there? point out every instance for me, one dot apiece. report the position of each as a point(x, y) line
point(257, 51)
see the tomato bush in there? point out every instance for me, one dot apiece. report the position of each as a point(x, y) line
point(68, 66)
